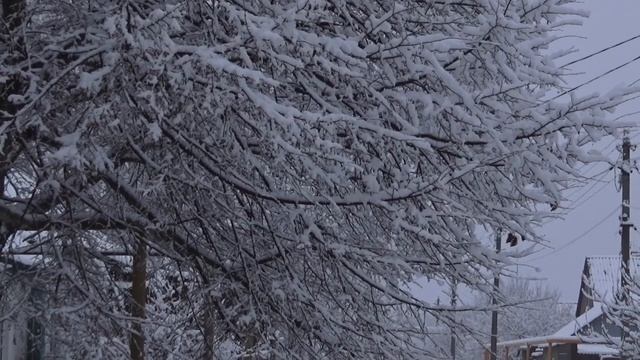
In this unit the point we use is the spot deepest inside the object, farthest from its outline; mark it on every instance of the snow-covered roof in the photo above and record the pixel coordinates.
(541, 341)
(17, 262)
(567, 334)
(580, 322)
(603, 275)
(597, 349)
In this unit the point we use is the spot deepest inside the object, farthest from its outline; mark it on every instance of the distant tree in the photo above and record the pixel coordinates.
(533, 308)
(539, 312)
(298, 163)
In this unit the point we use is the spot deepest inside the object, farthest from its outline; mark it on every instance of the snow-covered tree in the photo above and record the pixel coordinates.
(622, 315)
(538, 312)
(527, 308)
(300, 162)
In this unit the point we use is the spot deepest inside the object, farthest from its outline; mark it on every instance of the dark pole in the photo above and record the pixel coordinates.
(138, 301)
(454, 299)
(626, 227)
(494, 302)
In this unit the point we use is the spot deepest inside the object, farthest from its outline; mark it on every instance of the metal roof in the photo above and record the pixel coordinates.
(603, 276)
(575, 325)
(597, 349)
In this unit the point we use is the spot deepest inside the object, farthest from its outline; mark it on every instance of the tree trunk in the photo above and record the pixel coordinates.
(12, 12)
(249, 347)
(139, 300)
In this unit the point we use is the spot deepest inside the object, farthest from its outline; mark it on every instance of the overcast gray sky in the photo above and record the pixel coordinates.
(592, 228)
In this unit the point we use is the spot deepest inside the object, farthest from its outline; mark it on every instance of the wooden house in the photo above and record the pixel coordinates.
(590, 336)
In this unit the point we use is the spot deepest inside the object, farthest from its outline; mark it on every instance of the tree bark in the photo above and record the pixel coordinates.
(139, 300)
(12, 14)
(249, 346)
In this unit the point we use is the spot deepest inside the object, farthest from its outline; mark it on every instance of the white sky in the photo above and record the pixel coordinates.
(587, 230)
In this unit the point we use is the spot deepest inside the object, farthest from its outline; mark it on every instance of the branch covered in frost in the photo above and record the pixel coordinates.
(299, 164)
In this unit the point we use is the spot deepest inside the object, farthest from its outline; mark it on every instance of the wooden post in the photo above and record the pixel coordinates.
(138, 301)
(626, 225)
(550, 352)
(528, 352)
(494, 302)
(452, 341)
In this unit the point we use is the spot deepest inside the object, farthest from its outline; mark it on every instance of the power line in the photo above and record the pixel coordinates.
(602, 50)
(606, 148)
(603, 74)
(595, 78)
(588, 190)
(629, 113)
(576, 203)
(586, 232)
(604, 186)
(595, 180)
(595, 177)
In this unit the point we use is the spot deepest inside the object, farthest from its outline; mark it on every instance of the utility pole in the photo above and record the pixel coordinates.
(138, 301)
(454, 295)
(625, 224)
(626, 213)
(494, 302)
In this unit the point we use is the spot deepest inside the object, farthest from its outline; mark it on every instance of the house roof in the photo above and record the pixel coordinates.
(541, 341)
(603, 275)
(15, 263)
(597, 349)
(575, 325)
(601, 280)
(567, 334)
(600, 283)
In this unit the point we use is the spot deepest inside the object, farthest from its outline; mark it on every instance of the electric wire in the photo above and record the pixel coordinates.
(587, 167)
(610, 47)
(576, 202)
(601, 51)
(583, 234)
(595, 178)
(595, 78)
(604, 186)
(605, 149)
